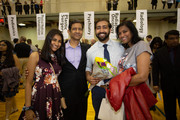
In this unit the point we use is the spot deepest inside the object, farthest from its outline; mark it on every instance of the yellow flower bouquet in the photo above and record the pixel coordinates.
(103, 70)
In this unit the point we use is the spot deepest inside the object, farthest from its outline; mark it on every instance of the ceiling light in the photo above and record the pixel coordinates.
(134, 20)
(22, 24)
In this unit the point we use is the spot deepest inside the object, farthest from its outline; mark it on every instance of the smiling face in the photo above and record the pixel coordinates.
(125, 35)
(3, 47)
(76, 31)
(56, 43)
(102, 31)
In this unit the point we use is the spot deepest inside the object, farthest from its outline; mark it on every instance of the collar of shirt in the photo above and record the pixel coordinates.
(109, 43)
(69, 46)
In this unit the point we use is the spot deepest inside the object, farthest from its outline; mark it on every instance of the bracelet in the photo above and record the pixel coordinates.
(27, 108)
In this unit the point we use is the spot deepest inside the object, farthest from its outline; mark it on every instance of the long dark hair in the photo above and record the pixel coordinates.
(134, 32)
(156, 40)
(46, 50)
(9, 61)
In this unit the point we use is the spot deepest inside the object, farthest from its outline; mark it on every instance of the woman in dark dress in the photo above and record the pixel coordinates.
(43, 101)
(9, 63)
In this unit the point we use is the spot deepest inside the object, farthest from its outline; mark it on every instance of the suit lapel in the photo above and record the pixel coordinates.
(82, 55)
(67, 61)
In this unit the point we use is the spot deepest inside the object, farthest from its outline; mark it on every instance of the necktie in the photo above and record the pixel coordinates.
(172, 55)
(106, 53)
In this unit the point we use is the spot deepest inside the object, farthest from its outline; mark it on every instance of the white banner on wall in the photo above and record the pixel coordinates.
(41, 26)
(114, 18)
(64, 23)
(89, 25)
(178, 20)
(12, 24)
(141, 22)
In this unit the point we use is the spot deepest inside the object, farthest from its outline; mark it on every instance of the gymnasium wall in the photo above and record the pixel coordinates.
(155, 28)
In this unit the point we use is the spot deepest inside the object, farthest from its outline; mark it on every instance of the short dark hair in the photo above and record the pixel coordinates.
(149, 36)
(73, 22)
(132, 28)
(99, 20)
(22, 38)
(171, 32)
(29, 41)
(46, 50)
(15, 40)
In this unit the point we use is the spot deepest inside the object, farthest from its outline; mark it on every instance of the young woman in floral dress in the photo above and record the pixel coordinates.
(43, 101)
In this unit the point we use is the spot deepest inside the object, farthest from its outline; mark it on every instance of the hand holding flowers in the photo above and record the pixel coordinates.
(102, 70)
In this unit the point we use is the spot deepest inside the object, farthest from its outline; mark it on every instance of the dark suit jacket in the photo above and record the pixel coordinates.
(169, 73)
(73, 81)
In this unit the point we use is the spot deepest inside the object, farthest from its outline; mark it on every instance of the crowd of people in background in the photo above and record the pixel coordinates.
(14, 59)
(19, 7)
(132, 4)
(163, 70)
(34, 8)
(169, 3)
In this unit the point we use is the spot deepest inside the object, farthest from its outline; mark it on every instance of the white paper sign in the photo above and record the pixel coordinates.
(12, 24)
(89, 24)
(64, 23)
(141, 22)
(41, 26)
(178, 20)
(114, 18)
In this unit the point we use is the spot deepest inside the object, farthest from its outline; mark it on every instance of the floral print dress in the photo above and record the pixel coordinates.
(46, 93)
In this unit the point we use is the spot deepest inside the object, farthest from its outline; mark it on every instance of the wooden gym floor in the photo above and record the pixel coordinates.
(20, 99)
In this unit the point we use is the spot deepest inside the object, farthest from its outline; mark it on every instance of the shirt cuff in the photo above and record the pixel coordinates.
(88, 69)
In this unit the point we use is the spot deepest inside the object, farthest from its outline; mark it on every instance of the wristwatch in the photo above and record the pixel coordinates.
(27, 108)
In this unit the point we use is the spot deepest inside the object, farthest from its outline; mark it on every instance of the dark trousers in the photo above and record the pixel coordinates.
(41, 8)
(176, 4)
(169, 5)
(109, 6)
(170, 104)
(164, 4)
(32, 10)
(9, 10)
(26, 11)
(114, 6)
(76, 111)
(98, 94)
(129, 6)
(154, 6)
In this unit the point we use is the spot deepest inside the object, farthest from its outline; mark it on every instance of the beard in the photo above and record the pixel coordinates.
(102, 38)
